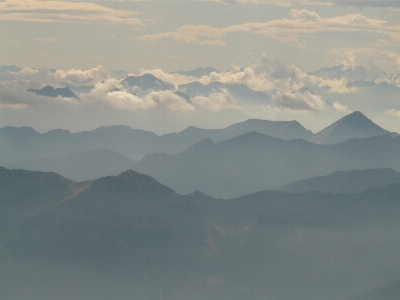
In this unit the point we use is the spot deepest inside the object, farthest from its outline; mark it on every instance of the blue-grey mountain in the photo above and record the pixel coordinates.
(126, 235)
(49, 91)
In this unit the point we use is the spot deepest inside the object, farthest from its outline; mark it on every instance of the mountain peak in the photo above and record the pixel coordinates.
(354, 125)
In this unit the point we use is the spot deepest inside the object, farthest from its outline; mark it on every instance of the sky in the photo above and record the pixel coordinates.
(271, 47)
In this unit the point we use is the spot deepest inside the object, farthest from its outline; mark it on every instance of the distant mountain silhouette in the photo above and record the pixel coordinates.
(11, 68)
(80, 166)
(49, 91)
(128, 234)
(354, 125)
(253, 161)
(199, 72)
(25, 144)
(147, 83)
(345, 182)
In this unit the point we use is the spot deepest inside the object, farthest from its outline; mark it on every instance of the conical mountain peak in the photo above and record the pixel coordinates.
(354, 125)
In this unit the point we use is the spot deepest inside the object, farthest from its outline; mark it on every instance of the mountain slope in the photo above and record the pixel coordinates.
(49, 91)
(345, 182)
(354, 125)
(25, 144)
(80, 166)
(252, 162)
(128, 234)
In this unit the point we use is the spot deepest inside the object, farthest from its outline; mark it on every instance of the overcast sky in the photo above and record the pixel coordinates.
(266, 44)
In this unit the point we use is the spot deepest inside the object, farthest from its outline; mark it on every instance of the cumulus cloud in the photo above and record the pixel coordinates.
(267, 74)
(341, 108)
(64, 12)
(351, 57)
(111, 94)
(302, 101)
(216, 101)
(393, 112)
(37, 78)
(167, 100)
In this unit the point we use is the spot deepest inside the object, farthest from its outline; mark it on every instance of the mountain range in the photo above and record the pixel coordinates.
(233, 161)
(348, 182)
(25, 144)
(253, 161)
(125, 235)
(49, 91)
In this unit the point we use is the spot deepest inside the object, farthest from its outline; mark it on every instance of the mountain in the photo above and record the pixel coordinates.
(147, 83)
(80, 166)
(354, 125)
(49, 91)
(199, 72)
(25, 144)
(11, 68)
(126, 235)
(386, 291)
(253, 161)
(345, 182)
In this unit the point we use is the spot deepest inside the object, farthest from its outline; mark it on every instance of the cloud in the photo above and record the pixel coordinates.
(393, 112)
(341, 108)
(64, 12)
(111, 94)
(14, 96)
(203, 35)
(367, 3)
(37, 78)
(215, 101)
(288, 3)
(300, 101)
(167, 100)
(48, 39)
(352, 57)
(288, 30)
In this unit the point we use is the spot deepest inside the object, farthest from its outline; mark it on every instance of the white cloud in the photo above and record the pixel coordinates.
(37, 78)
(305, 101)
(215, 101)
(341, 108)
(110, 93)
(64, 12)
(167, 100)
(300, 23)
(351, 57)
(393, 112)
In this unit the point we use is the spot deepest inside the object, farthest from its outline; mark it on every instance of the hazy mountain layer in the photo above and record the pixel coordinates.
(345, 182)
(25, 144)
(126, 235)
(253, 162)
(80, 166)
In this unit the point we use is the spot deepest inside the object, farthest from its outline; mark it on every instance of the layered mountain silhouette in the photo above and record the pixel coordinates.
(345, 182)
(49, 91)
(354, 125)
(252, 162)
(80, 166)
(126, 235)
(25, 144)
